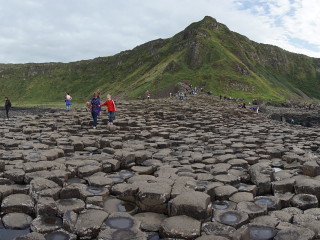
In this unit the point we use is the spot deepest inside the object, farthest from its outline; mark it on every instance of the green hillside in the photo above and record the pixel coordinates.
(206, 54)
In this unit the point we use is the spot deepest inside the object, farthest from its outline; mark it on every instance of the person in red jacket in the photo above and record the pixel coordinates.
(111, 108)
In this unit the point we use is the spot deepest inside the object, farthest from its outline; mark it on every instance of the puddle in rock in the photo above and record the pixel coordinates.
(220, 205)
(67, 202)
(76, 180)
(276, 169)
(117, 179)
(4, 181)
(95, 190)
(297, 172)
(123, 234)
(261, 232)
(306, 198)
(126, 174)
(230, 217)
(266, 201)
(26, 147)
(52, 220)
(154, 237)
(8, 234)
(119, 222)
(126, 207)
(242, 186)
(57, 236)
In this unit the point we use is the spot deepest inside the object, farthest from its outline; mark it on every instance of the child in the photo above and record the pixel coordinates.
(68, 99)
(111, 109)
(148, 95)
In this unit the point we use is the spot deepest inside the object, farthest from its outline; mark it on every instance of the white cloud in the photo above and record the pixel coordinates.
(71, 30)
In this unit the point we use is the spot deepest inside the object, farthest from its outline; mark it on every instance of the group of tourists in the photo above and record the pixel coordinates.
(95, 108)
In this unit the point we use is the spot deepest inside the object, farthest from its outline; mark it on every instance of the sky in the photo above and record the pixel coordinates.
(72, 30)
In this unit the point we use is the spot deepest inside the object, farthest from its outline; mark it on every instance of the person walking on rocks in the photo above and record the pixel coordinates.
(98, 96)
(7, 106)
(148, 95)
(95, 104)
(67, 100)
(111, 109)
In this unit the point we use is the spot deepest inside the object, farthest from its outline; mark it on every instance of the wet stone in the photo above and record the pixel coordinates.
(314, 212)
(112, 205)
(272, 203)
(46, 206)
(89, 222)
(153, 196)
(45, 224)
(60, 235)
(304, 201)
(227, 179)
(295, 233)
(266, 221)
(252, 209)
(73, 204)
(21, 203)
(208, 237)
(69, 220)
(217, 229)
(91, 191)
(150, 221)
(41, 187)
(180, 227)
(224, 205)
(99, 181)
(16, 175)
(29, 236)
(224, 192)
(231, 218)
(255, 232)
(283, 186)
(125, 191)
(308, 186)
(193, 204)
(241, 197)
(88, 170)
(303, 218)
(121, 226)
(17, 220)
(281, 215)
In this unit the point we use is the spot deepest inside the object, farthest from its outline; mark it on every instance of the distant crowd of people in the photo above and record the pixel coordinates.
(94, 105)
(190, 90)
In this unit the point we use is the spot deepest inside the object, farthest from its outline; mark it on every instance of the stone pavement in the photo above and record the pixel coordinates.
(168, 169)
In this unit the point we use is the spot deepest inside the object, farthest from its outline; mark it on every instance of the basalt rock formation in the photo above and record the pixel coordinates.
(167, 169)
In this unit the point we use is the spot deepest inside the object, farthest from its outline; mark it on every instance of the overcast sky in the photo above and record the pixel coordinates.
(72, 30)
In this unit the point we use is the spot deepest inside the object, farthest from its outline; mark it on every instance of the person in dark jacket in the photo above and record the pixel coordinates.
(7, 106)
(95, 109)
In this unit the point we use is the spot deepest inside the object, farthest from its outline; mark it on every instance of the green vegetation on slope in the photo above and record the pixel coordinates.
(206, 54)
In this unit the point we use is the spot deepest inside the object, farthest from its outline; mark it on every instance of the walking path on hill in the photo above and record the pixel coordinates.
(168, 169)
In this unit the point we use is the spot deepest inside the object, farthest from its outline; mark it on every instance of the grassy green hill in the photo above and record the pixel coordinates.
(206, 54)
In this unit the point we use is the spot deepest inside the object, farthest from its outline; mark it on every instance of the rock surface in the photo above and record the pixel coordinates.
(193, 169)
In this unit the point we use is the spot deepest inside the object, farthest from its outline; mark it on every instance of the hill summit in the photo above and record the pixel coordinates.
(206, 54)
